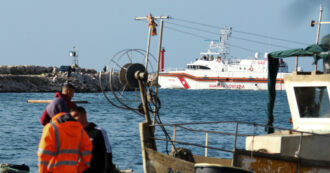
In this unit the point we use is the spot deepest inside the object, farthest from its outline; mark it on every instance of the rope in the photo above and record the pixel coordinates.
(132, 160)
(254, 134)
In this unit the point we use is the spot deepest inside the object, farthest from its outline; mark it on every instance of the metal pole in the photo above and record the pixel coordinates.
(296, 64)
(158, 63)
(206, 142)
(299, 152)
(319, 25)
(147, 50)
(234, 149)
(318, 32)
(174, 133)
(148, 44)
(325, 22)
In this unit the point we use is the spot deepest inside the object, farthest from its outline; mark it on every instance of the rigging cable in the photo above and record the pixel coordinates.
(204, 38)
(243, 32)
(234, 37)
(156, 102)
(199, 36)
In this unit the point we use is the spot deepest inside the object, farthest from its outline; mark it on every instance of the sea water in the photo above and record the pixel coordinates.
(20, 129)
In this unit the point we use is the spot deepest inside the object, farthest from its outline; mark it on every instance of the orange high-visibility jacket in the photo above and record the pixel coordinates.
(64, 146)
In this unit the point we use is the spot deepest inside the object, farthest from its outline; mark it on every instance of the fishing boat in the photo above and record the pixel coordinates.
(215, 69)
(303, 148)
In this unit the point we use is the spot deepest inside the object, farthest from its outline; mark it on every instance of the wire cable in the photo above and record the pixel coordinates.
(202, 37)
(238, 38)
(243, 32)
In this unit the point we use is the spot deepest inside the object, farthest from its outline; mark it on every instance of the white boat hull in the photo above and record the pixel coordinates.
(234, 81)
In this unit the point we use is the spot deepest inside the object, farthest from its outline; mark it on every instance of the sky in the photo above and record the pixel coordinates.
(42, 32)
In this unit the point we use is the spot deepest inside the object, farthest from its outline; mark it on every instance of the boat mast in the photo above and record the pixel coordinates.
(147, 55)
(224, 37)
(220, 48)
(149, 34)
(318, 29)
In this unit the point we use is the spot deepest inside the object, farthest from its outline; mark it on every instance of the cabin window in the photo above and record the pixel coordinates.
(197, 67)
(313, 102)
(202, 67)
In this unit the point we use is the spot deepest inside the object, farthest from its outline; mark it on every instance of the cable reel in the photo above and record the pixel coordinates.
(125, 68)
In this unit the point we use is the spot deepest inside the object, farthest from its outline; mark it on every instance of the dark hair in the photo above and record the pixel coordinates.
(68, 86)
(78, 109)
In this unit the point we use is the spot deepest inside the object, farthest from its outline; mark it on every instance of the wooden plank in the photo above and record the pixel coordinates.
(48, 101)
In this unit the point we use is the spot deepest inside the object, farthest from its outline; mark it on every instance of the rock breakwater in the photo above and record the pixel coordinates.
(49, 79)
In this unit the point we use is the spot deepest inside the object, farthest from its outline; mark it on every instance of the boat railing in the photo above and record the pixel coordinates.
(235, 132)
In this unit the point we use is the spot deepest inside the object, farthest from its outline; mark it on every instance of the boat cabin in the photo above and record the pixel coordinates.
(308, 97)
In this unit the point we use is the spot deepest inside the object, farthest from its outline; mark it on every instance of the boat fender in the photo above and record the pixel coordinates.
(183, 153)
(11, 168)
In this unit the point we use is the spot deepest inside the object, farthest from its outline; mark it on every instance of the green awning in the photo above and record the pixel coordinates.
(321, 51)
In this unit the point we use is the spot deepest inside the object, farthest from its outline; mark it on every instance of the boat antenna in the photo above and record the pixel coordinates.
(318, 29)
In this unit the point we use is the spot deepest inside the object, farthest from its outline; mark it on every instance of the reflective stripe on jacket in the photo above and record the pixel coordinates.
(64, 146)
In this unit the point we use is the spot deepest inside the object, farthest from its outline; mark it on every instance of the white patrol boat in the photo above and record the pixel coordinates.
(216, 70)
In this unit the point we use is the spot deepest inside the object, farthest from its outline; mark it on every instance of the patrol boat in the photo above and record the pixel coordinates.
(215, 69)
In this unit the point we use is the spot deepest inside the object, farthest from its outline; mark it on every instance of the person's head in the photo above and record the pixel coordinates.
(57, 105)
(79, 113)
(68, 90)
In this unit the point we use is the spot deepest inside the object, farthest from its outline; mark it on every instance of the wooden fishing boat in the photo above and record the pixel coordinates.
(304, 148)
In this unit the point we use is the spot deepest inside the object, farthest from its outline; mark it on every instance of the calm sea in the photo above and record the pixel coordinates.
(20, 129)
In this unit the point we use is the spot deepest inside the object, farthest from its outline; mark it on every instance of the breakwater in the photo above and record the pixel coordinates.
(29, 78)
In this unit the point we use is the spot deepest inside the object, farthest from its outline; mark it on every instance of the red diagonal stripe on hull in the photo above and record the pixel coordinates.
(184, 83)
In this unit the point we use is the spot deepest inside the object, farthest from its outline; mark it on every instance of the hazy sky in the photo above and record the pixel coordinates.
(42, 32)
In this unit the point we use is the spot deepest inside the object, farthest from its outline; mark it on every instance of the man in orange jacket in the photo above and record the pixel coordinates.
(64, 145)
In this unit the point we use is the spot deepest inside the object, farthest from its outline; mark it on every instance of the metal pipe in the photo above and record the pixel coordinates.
(173, 141)
(298, 153)
(319, 25)
(147, 51)
(206, 142)
(325, 22)
(296, 64)
(226, 122)
(234, 149)
(192, 144)
(155, 17)
(318, 32)
(162, 60)
(158, 62)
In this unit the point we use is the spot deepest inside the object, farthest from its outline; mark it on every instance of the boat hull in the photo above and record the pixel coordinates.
(268, 162)
(259, 162)
(183, 80)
